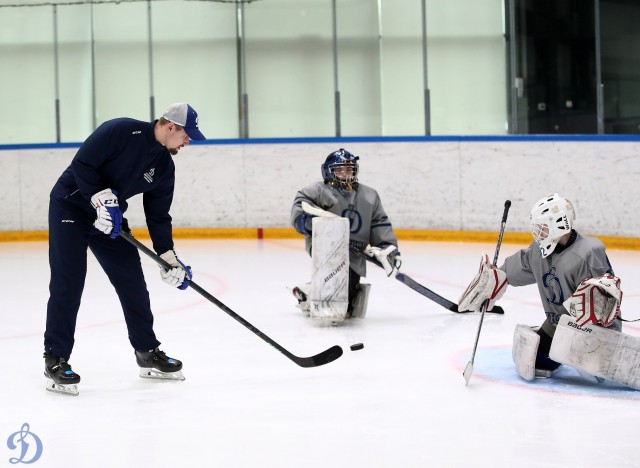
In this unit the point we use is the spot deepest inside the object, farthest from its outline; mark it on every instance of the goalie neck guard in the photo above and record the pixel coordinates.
(551, 218)
(340, 170)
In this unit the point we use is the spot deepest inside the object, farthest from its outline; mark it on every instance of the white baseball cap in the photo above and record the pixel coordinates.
(184, 115)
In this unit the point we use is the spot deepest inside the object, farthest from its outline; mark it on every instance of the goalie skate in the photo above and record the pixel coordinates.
(301, 293)
(155, 364)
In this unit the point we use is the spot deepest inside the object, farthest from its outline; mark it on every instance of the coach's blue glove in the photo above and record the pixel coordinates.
(180, 273)
(108, 214)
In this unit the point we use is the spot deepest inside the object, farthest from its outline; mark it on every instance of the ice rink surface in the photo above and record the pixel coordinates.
(399, 402)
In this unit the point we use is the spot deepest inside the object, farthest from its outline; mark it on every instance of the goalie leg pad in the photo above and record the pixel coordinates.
(525, 350)
(598, 351)
(330, 269)
(361, 301)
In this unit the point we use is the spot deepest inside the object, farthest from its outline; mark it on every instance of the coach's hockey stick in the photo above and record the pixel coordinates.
(468, 370)
(324, 357)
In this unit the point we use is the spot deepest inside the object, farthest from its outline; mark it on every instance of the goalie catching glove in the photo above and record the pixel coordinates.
(180, 273)
(597, 301)
(108, 214)
(489, 284)
(388, 256)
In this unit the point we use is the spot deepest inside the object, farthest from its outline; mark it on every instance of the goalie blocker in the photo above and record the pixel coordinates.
(489, 284)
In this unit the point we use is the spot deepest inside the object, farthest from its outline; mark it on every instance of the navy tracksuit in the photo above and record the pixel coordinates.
(123, 155)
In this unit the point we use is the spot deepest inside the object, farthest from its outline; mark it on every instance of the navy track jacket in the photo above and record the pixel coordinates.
(123, 155)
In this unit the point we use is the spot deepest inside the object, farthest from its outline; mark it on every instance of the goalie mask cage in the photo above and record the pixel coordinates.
(28, 3)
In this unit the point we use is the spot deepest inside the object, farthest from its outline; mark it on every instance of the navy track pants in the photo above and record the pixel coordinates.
(71, 232)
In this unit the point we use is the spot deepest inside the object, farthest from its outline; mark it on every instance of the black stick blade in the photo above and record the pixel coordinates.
(325, 357)
(497, 310)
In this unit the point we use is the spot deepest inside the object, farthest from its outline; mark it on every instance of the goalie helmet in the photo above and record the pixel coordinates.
(551, 218)
(340, 170)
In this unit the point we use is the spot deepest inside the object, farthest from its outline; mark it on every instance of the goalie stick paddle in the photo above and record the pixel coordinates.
(426, 292)
(468, 370)
(320, 359)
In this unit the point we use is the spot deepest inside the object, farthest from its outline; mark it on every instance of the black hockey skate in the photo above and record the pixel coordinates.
(299, 295)
(60, 378)
(155, 364)
(303, 300)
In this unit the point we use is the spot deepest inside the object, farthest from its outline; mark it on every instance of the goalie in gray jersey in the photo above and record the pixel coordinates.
(370, 231)
(573, 275)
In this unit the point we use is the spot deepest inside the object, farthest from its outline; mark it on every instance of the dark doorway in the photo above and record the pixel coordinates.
(555, 66)
(574, 66)
(620, 45)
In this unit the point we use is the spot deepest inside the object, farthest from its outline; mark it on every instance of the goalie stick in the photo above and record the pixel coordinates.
(468, 370)
(404, 279)
(426, 292)
(320, 359)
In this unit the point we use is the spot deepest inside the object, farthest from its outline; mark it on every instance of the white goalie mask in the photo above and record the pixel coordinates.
(551, 218)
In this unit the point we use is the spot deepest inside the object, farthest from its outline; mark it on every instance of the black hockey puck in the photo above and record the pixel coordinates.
(357, 346)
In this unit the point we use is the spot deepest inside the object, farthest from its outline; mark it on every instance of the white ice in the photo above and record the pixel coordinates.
(399, 402)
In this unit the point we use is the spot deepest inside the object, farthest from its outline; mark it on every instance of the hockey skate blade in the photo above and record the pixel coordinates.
(68, 390)
(468, 371)
(151, 373)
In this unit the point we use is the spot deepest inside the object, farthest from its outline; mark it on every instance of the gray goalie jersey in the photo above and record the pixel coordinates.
(558, 275)
(368, 221)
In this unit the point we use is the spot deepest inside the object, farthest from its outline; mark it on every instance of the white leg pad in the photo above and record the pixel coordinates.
(361, 301)
(330, 269)
(524, 351)
(598, 351)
